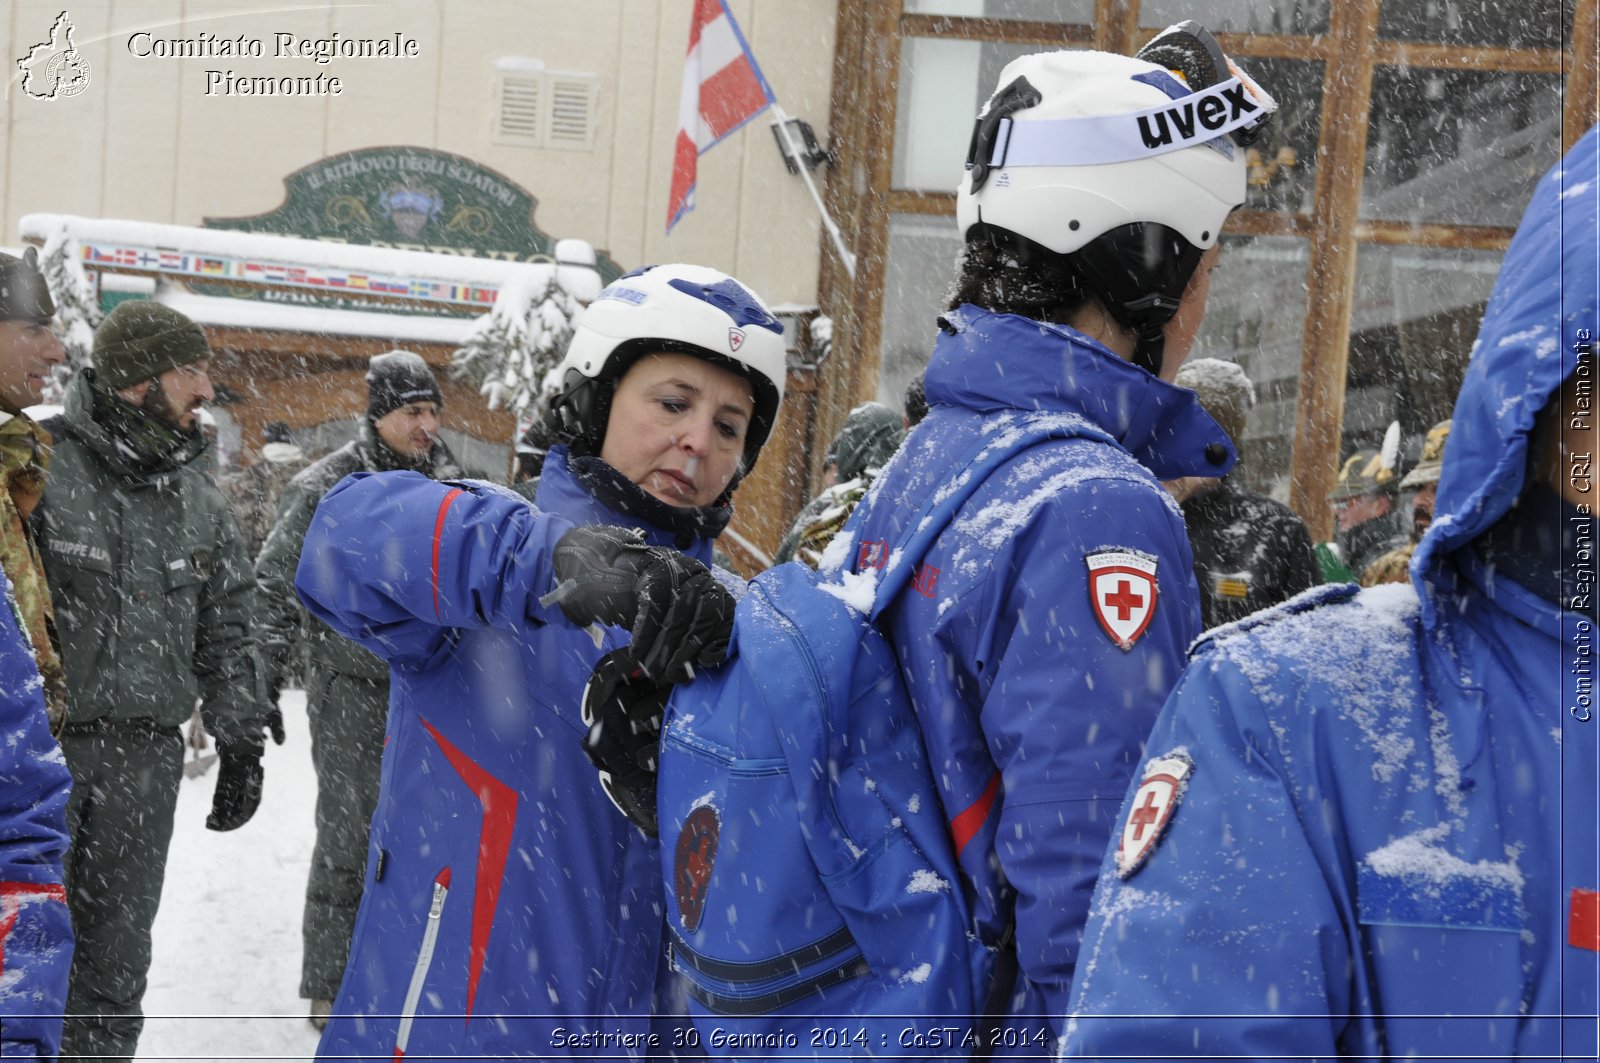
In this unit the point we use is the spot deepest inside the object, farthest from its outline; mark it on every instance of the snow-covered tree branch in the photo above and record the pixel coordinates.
(512, 348)
(77, 305)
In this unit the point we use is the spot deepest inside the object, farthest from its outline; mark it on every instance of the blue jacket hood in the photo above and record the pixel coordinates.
(1057, 369)
(1545, 294)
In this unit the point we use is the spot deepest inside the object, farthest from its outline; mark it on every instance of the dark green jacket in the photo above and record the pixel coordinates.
(281, 613)
(152, 587)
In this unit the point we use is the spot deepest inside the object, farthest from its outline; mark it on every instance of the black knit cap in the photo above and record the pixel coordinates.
(24, 296)
(396, 379)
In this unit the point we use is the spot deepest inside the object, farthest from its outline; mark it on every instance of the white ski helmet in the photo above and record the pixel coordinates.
(1083, 153)
(677, 308)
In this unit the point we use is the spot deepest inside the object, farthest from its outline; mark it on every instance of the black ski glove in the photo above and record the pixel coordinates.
(274, 723)
(238, 783)
(680, 616)
(623, 711)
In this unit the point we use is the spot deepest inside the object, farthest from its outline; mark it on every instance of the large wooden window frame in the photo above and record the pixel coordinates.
(861, 196)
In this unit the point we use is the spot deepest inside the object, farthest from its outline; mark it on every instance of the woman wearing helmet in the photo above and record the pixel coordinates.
(1052, 614)
(510, 909)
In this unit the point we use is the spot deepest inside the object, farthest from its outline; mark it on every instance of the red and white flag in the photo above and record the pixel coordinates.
(722, 90)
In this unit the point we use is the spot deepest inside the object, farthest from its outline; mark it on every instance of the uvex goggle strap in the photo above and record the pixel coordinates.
(1233, 106)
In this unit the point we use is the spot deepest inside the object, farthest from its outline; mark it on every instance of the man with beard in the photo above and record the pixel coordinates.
(153, 593)
(347, 687)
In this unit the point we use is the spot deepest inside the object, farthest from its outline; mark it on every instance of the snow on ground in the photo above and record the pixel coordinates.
(225, 977)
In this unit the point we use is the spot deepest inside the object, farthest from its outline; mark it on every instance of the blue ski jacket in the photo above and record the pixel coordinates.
(35, 929)
(1366, 823)
(509, 909)
(1045, 625)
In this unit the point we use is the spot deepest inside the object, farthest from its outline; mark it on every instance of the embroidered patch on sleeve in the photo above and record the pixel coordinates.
(1122, 589)
(1231, 584)
(1151, 808)
(692, 861)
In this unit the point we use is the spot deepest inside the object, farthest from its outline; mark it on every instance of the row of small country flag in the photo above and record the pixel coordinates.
(156, 260)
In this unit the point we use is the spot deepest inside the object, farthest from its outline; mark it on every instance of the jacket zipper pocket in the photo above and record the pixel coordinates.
(419, 973)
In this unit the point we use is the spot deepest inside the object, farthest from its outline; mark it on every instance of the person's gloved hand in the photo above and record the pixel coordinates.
(680, 616)
(238, 783)
(274, 723)
(623, 711)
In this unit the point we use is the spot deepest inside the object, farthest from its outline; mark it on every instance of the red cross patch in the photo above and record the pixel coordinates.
(1122, 589)
(735, 338)
(1151, 809)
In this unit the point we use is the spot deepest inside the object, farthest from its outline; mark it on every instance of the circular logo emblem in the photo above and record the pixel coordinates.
(692, 861)
(67, 74)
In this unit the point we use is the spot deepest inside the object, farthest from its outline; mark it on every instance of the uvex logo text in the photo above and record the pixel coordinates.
(1203, 115)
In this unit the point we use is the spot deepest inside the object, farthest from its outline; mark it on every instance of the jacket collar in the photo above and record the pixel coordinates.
(991, 363)
(78, 415)
(561, 493)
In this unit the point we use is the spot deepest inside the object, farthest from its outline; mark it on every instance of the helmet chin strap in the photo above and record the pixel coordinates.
(1150, 346)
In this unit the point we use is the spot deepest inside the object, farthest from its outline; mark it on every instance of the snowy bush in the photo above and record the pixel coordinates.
(511, 349)
(77, 306)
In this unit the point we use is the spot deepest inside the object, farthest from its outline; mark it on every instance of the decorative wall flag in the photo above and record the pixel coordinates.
(723, 88)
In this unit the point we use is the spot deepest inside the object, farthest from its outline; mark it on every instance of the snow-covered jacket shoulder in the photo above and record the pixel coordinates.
(35, 929)
(1352, 832)
(1033, 699)
(547, 901)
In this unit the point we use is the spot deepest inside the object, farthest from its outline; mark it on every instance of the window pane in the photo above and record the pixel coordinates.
(1079, 11)
(942, 85)
(1494, 23)
(1458, 147)
(1283, 162)
(1240, 16)
(1415, 317)
(1256, 317)
(917, 279)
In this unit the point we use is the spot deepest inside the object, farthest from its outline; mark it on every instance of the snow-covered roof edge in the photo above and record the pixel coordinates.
(292, 249)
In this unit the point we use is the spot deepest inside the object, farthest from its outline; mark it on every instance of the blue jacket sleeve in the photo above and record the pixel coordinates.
(35, 929)
(1067, 712)
(1229, 941)
(395, 561)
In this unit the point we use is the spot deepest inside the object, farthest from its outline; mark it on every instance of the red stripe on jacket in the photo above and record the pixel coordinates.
(499, 803)
(968, 821)
(438, 539)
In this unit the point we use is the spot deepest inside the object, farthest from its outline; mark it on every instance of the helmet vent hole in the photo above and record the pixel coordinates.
(1205, 235)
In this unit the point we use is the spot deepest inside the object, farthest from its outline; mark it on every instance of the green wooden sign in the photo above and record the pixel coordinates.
(416, 199)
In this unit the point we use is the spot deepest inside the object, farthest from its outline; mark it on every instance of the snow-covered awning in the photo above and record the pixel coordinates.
(315, 320)
(188, 253)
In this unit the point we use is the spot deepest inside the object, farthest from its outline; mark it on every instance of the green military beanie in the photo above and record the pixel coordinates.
(141, 339)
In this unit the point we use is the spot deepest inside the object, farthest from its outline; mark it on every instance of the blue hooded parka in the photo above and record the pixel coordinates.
(1367, 823)
(1045, 625)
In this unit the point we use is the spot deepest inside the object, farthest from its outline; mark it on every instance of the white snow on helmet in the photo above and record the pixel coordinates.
(1108, 141)
(678, 308)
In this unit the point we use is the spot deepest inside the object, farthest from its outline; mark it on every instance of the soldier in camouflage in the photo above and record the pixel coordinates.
(28, 352)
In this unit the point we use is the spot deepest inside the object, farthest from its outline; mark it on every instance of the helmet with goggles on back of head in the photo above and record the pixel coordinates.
(678, 309)
(1125, 168)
